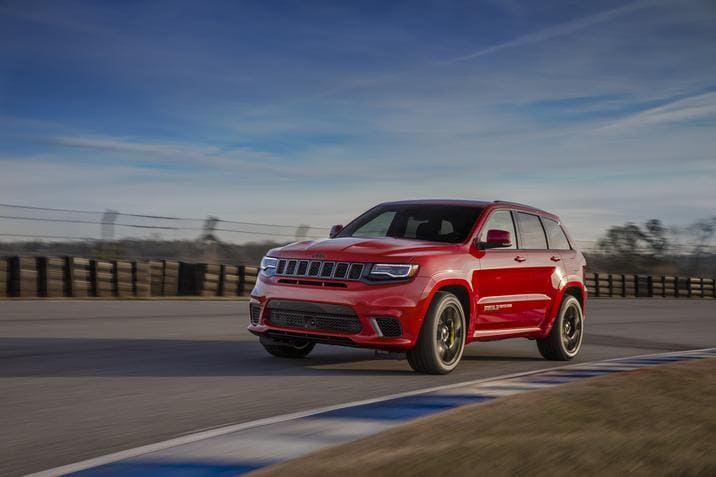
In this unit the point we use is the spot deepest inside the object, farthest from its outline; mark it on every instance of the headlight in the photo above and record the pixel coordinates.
(392, 271)
(268, 266)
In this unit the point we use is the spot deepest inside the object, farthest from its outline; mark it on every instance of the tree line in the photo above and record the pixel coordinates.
(654, 248)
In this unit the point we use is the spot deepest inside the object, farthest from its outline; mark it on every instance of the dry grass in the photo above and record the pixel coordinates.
(654, 421)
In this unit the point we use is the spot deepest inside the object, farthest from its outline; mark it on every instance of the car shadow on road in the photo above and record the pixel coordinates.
(466, 357)
(92, 357)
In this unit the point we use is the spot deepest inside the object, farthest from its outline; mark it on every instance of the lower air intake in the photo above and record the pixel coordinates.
(389, 327)
(255, 313)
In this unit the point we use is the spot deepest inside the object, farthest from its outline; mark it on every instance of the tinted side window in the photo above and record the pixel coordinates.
(500, 220)
(531, 232)
(556, 238)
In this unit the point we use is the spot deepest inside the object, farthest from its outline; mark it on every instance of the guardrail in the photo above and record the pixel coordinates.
(82, 277)
(649, 286)
(49, 277)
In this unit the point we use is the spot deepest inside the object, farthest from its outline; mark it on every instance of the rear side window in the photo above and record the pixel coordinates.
(556, 238)
(500, 220)
(531, 232)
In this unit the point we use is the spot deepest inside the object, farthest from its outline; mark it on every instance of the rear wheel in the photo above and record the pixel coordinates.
(296, 350)
(442, 338)
(565, 340)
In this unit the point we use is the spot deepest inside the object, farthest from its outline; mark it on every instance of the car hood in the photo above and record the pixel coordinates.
(361, 249)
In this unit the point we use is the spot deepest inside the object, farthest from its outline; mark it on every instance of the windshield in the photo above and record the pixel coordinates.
(434, 223)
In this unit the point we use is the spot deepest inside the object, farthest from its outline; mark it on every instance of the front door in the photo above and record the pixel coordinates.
(499, 282)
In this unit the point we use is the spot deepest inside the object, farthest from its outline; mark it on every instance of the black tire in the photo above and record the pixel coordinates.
(434, 352)
(289, 351)
(565, 340)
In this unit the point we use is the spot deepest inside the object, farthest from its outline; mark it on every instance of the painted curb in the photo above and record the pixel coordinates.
(241, 448)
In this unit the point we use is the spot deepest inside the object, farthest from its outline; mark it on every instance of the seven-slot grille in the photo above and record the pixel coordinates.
(320, 269)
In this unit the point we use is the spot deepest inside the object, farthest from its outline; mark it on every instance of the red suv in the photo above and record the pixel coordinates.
(426, 278)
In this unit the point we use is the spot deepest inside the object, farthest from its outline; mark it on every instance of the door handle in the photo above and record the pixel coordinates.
(555, 258)
(520, 259)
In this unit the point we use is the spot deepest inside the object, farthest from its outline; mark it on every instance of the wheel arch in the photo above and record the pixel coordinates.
(575, 289)
(463, 291)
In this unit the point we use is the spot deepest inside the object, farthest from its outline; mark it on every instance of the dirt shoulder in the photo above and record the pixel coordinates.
(659, 420)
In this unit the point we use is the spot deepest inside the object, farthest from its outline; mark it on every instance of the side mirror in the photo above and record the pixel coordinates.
(496, 239)
(335, 230)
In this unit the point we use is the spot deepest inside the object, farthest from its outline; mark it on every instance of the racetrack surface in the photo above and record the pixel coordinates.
(84, 378)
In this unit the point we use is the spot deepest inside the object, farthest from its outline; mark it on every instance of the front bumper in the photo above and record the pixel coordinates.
(405, 302)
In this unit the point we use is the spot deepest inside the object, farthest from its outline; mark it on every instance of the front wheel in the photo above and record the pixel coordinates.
(295, 350)
(565, 340)
(442, 338)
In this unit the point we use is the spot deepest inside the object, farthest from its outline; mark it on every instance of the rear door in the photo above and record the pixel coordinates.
(539, 270)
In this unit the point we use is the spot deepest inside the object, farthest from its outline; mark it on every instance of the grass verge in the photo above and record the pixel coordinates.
(659, 420)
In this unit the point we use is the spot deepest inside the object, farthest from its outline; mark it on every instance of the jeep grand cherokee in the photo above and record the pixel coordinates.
(426, 278)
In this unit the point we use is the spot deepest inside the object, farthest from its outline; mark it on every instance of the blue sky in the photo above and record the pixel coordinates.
(310, 112)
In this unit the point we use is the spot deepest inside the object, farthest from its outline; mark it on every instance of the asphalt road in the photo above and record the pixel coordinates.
(80, 379)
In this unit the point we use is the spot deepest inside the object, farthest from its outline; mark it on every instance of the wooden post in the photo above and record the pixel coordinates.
(4, 281)
(142, 279)
(596, 284)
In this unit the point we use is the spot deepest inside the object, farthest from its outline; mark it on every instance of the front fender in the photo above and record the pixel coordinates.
(436, 285)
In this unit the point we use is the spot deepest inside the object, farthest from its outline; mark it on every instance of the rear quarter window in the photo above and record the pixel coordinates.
(556, 238)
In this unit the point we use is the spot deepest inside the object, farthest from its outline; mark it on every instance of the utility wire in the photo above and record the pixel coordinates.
(153, 227)
(77, 211)
(63, 237)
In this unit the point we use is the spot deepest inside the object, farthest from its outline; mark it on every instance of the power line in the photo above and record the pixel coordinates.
(152, 227)
(77, 221)
(15, 206)
(78, 211)
(63, 237)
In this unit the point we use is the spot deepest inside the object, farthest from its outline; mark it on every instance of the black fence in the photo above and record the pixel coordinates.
(81, 277)
(648, 286)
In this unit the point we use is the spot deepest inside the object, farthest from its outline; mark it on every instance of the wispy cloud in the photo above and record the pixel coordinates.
(694, 107)
(562, 29)
(103, 143)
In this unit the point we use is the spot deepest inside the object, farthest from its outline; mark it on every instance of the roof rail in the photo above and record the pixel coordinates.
(519, 204)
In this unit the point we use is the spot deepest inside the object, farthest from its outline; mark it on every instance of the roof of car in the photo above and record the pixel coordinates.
(471, 203)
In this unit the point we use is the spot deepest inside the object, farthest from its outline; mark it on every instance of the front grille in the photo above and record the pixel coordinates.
(389, 327)
(314, 283)
(255, 313)
(314, 321)
(320, 269)
(289, 337)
